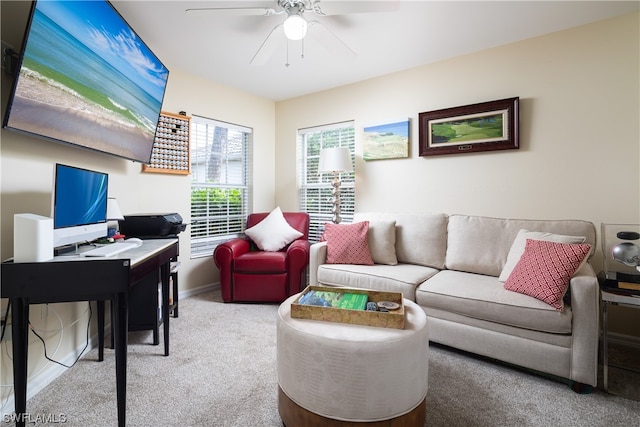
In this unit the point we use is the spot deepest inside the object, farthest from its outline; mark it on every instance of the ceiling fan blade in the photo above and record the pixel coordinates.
(333, 7)
(268, 46)
(330, 41)
(248, 11)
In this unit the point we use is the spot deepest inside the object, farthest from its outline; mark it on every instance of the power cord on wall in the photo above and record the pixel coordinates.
(5, 322)
(44, 345)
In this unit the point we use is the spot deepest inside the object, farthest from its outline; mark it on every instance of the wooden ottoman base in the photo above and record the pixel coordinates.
(294, 415)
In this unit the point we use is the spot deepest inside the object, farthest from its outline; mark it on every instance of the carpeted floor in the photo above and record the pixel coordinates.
(222, 372)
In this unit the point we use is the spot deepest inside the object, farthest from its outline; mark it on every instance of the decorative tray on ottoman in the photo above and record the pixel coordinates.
(391, 302)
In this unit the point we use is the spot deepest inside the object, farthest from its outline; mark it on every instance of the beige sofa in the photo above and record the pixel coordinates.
(451, 266)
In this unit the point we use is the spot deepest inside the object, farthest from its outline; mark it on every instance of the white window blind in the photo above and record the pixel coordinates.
(220, 190)
(315, 189)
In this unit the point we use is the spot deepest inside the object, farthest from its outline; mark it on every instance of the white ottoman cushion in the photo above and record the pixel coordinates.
(352, 372)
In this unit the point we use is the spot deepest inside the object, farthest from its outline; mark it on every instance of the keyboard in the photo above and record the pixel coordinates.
(109, 250)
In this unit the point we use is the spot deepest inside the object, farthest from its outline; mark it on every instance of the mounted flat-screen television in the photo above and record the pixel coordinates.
(87, 79)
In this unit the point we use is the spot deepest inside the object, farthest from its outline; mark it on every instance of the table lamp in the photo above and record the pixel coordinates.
(114, 214)
(335, 160)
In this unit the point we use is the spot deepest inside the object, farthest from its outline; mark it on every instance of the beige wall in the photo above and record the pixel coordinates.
(579, 132)
(579, 124)
(26, 183)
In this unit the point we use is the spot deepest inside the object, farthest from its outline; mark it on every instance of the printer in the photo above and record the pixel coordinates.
(152, 226)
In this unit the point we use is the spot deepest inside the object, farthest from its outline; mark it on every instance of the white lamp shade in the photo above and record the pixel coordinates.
(336, 159)
(295, 27)
(113, 210)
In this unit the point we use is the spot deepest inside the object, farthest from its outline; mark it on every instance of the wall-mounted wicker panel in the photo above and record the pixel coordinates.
(171, 147)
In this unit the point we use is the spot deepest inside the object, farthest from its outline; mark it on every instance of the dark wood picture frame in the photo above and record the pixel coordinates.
(486, 126)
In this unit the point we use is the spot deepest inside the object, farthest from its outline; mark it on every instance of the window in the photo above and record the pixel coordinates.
(315, 189)
(220, 190)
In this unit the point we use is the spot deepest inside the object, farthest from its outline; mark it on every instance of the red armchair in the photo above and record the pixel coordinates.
(248, 274)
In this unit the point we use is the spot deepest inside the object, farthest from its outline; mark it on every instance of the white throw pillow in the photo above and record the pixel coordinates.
(382, 241)
(517, 248)
(273, 232)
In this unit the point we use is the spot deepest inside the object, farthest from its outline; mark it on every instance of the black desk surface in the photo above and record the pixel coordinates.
(50, 279)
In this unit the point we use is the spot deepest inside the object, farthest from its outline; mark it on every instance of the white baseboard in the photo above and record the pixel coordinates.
(199, 290)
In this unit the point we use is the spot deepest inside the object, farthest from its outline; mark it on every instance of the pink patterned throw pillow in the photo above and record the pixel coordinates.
(545, 268)
(347, 243)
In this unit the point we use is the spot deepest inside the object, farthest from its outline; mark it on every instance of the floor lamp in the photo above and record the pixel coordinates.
(335, 160)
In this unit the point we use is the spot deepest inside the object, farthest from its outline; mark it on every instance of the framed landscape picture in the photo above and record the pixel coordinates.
(388, 141)
(486, 126)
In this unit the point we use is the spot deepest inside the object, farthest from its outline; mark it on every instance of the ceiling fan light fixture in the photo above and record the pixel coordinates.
(295, 27)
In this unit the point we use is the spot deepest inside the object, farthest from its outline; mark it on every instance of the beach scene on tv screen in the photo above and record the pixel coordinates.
(87, 79)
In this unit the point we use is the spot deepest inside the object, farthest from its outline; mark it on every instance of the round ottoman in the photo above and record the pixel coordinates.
(336, 373)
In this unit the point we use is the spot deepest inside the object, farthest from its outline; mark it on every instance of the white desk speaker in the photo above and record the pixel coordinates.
(32, 238)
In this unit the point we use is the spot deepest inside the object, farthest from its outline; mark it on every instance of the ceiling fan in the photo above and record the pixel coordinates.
(295, 26)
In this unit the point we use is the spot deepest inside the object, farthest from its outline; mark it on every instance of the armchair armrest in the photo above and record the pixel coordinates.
(297, 262)
(298, 254)
(585, 306)
(227, 251)
(317, 257)
(223, 256)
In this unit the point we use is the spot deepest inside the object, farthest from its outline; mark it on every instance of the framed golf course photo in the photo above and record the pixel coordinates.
(387, 141)
(486, 126)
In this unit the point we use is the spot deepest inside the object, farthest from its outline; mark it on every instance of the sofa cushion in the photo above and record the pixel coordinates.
(487, 328)
(273, 232)
(517, 248)
(402, 278)
(347, 243)
(484, 297)
(481, 245)
(545, 268)
(382, 242)
(421, 238)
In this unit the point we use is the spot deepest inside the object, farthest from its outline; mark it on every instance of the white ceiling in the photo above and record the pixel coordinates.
(220, 47)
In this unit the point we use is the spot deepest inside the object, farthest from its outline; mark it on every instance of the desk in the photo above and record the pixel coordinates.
(74, 278)
(632, 301)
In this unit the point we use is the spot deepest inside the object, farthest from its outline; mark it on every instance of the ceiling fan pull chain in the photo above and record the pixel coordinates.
(302, 54)
(287, 63)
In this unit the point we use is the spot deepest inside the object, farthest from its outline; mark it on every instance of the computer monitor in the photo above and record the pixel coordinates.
(79, 205)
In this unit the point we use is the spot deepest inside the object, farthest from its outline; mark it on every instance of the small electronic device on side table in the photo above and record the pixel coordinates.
(620, 280)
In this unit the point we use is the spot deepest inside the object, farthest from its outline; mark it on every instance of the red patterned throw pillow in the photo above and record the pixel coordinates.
(347, 243)
(545, 268)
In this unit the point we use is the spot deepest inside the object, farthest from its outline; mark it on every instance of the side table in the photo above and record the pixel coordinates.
(632, 301)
